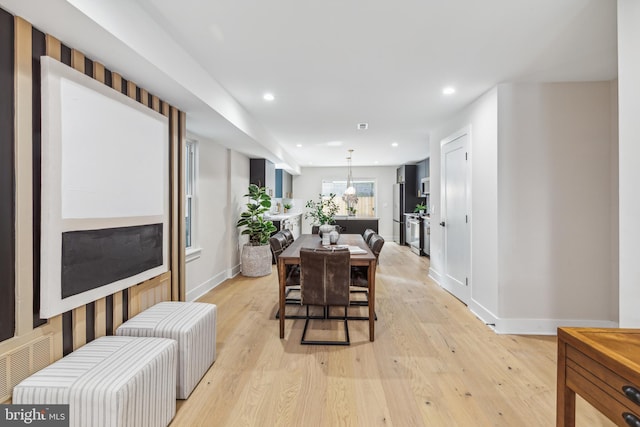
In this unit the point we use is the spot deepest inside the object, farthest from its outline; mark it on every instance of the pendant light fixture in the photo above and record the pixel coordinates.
(349, 195)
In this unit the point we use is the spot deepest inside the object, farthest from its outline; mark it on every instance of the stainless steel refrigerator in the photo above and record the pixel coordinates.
(398, 214)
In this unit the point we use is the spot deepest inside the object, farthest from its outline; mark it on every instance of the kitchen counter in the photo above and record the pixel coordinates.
(281, 216)
(355, 218)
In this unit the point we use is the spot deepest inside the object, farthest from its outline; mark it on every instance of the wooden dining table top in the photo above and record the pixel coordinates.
(291, 255)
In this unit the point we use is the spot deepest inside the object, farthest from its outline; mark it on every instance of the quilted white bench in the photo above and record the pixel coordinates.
(110, 382)
(192, 324)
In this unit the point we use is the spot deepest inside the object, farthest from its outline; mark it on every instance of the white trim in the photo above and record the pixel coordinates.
(192, 254)
(464, 131)
(546, 326)
(194, 190)
(233, 271)
(482, 313)
(435, 276)
(205, 287)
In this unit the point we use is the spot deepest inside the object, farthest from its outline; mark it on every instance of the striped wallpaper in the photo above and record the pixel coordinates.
(7, 177)
(21, 46)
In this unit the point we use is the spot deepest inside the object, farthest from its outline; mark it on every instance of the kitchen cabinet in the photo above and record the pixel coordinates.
(262, 173)
(357, 225)
(284, 184)
(422, 173)
(407, 175)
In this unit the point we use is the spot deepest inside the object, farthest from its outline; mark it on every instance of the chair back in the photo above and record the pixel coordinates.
(375, 243)
(325, 276)
(278, 243)
(367, 235)
(288, 235)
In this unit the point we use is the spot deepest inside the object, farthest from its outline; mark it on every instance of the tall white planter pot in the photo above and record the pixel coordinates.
(256, 260)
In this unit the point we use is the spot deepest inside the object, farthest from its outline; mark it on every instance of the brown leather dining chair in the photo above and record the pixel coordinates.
(368, 233)
(289, 236)
(278, 243)
(324, 281)
(359, 275)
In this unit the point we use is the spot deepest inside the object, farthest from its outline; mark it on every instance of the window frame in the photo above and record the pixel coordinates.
(191, 199)
(343, 212)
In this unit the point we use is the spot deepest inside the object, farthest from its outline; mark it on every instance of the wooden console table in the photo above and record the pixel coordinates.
(602, 366)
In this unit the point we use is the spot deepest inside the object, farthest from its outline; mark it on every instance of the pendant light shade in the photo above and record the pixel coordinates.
(349, 195)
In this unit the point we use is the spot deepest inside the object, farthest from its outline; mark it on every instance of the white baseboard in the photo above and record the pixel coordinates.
(546, 326)
(205, 287)
(482, 313)
(524, 326)
(435, 276)
(233, 271)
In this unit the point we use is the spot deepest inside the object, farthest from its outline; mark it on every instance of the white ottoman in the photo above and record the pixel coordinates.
(110, 382)
(192, 324)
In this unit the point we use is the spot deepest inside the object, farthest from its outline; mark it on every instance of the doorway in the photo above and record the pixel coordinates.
(454, 220)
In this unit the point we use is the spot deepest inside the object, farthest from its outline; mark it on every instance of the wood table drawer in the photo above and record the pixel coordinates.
(605, 378)
(601, 387)
(603, 366)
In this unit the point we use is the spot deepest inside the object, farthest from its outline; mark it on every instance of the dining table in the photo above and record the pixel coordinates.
(361, 255)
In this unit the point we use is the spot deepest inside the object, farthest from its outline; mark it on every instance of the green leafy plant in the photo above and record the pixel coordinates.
(287, 205)
(420, 207)
(322, 210)
(256, 227)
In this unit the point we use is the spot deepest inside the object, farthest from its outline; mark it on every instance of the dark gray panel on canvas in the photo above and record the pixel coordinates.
(93, 258)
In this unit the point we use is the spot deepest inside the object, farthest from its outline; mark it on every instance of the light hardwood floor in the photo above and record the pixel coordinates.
(432, 363)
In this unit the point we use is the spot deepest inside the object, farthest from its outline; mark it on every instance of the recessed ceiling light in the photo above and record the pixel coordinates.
(449, 90)
(334, 143)
(268, 97)
(298, 145)
(363, 126)
(375, 163)
(394, 144)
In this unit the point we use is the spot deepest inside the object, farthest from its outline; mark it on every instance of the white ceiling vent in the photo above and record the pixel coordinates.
(363, 126)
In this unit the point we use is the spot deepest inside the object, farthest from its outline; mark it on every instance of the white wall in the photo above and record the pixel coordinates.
(308, 185)
(222, 179)
(482, 116)
(629, 175)
(555, 216)
(542, 211)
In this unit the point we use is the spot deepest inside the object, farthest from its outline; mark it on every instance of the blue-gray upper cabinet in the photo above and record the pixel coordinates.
(284, 184)
(262, 173)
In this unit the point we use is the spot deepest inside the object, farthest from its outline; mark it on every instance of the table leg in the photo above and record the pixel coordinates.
(566, 398)
(282, 282)
(371, 278)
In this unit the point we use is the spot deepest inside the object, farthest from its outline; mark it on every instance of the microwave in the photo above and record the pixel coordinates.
(425, 187)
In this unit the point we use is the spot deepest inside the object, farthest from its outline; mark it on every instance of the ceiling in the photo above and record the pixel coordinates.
(332, 64)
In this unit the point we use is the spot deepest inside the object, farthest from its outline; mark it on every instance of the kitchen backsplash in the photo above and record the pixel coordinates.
(297, 205)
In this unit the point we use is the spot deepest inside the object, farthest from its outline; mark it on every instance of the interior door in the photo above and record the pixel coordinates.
(454, 218)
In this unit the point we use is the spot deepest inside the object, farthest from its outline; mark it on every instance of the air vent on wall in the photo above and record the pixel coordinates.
(22, 362)
(363, 126)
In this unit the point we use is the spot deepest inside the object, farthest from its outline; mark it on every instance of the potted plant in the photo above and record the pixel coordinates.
(420, 208)
(256, 254)
(287, 206)
(323, 212)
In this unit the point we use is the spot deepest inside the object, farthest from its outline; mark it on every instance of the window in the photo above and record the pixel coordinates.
(365, 190)
(189, 190)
